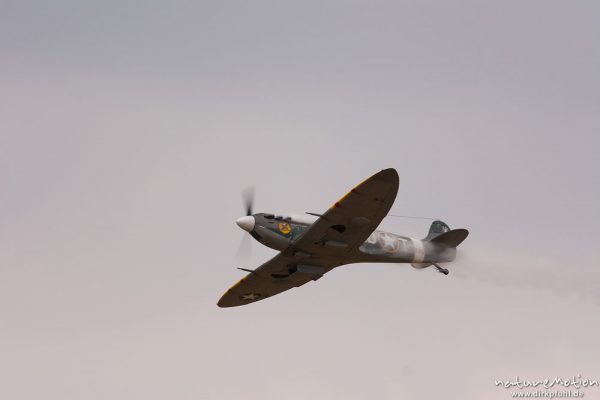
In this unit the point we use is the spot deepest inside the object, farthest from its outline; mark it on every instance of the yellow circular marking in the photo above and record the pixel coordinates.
(284, 227)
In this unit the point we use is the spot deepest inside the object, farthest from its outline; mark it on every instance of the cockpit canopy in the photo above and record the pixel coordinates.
(277, 217)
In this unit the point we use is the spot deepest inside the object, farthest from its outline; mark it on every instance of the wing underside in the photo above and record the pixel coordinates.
(277, 275)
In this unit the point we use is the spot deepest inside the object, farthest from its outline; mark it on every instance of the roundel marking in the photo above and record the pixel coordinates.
(250, 296)
(284, 227)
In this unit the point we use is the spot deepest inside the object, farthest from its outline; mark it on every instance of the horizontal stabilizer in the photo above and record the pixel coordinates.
(451, 238)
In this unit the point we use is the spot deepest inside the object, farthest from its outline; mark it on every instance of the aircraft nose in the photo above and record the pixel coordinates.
(246, 223)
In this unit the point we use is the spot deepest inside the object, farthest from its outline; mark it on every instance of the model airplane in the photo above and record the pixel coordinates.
(313, 244)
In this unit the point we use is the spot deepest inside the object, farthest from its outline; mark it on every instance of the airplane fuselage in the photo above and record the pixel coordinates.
(280, 233)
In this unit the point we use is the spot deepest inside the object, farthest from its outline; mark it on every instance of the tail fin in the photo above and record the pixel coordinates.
(440, 233)
(436, 229)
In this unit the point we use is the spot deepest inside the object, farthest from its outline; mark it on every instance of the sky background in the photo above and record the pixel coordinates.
(128, 131)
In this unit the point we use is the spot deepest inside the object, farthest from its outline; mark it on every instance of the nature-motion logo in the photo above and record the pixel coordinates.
(548, 388)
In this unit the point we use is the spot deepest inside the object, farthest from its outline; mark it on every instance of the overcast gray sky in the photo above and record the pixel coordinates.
(129, 129)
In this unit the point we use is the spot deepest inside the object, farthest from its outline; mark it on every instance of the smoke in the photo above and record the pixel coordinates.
(527, 272)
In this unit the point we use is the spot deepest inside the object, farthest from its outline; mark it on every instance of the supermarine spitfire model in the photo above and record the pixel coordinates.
(312, 245)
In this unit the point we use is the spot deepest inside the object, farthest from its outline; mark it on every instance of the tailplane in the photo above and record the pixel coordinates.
(451, 238)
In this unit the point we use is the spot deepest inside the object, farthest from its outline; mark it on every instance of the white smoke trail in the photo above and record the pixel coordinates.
(525, 271)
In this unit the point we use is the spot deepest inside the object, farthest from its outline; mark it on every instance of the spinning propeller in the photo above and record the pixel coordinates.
(248, 197)
(245, 250)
